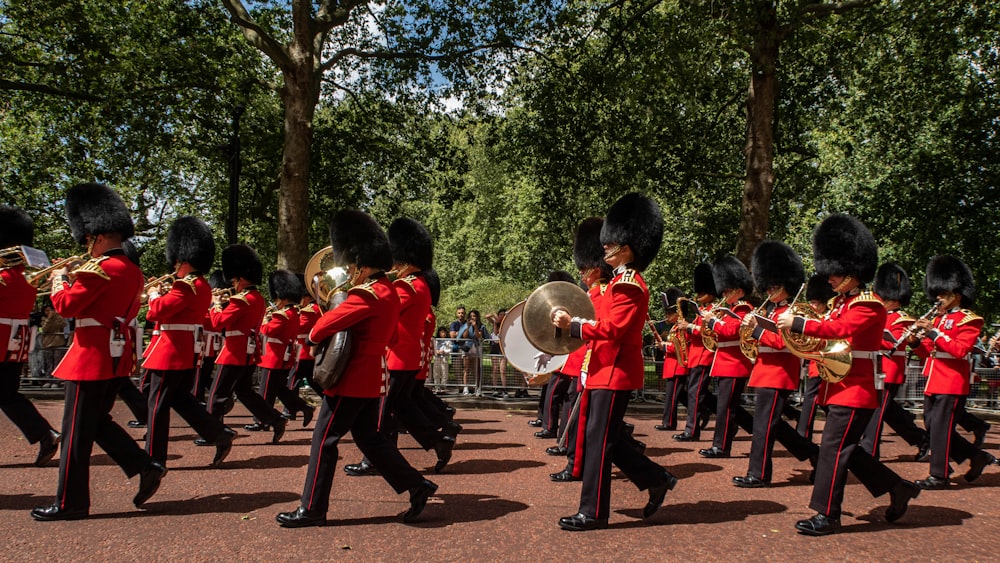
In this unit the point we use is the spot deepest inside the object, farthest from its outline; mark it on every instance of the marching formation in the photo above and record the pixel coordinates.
(358, 329)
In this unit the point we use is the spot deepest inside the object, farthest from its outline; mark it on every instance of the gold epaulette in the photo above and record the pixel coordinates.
(242, 296)
(366, 287)
(969, 317)
(866, 297)
(93, 266)
(409, 280)
(903, 318)
(281, 313)
(190, 280)
(628, 276)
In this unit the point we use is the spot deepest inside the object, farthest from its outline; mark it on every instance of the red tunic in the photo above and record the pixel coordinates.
(859, 318)
(616, 352)
(17, 298)
(371, 312)
(729, 360)
(278, 335)
(428, 346)
(105, 295)
(672, 367)
(241, 321)
(177, 314)
(895, 365)
(406, 354)
(577, 358)
(947, 349)
(776, 367)
(308, 316)
(698, 355)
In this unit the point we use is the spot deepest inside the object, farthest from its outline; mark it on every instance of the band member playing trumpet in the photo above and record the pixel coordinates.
(701, 403)
(371, 313)
(103, 296)
(675, 370)
(946, 342)
(17, 297)
(171, 360)
(631, 235)
(845, 251)
(730, 368)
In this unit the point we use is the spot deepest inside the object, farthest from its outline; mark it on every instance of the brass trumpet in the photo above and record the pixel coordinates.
(832, 357)
(40, 278)
(166, 279)
(10, 257)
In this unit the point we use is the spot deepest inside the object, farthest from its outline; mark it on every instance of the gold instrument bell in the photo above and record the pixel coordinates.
(537, 317)
(324, 278)
(832, 356)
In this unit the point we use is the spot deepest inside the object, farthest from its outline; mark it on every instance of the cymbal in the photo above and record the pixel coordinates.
(537, 317)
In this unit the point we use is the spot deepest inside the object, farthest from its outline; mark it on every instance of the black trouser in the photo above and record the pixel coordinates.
(838, 453)
(275, 386)
(809, 405)
(337, 416)
(896, 417)
(729, 414)
(17, 407)
(768, 404)
(238, 379)
(87, 419)
(399, 408)
(304, 370)
(569, 401)
(674, 393)
(940, 414)
(171, 389)
(604, 444)
(203, 381)
(136, 399)
(555, 396)
(699, 399)
(434, 409)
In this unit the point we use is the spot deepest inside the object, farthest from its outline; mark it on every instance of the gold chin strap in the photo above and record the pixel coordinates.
(614, 250)
(840, 288)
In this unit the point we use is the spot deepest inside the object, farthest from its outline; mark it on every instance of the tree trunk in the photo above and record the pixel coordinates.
(759, 149)
(300, 96)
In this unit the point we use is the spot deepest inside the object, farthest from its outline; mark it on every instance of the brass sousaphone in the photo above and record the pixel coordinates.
(328, 283)
(537, 317)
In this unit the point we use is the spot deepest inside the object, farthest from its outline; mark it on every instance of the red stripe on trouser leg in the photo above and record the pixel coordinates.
(840, 448)
(326, 432)
(604, 453)
(68, 444)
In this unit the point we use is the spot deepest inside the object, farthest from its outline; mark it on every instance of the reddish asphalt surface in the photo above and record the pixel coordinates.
(495, 502)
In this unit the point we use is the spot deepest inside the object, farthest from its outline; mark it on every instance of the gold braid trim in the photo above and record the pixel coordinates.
(969, 317)
(93, 266)
(866, 297)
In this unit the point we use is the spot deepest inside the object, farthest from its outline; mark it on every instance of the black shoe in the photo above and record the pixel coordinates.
(136, 424)
(443, 449)
(47, 448)
(544, 434)
(933, 483)
(556, 450)
(980, 435)
(257, 427)
(203, 442)
(923, 451)
(452, 429)
(664, 427)
(449, 412)
(657, 493)
(360, 469)
(301, 518)
(713, 452)
(279, 430)
(537, 423)
(149, 482)
(581, 523)
(685, 437)
(223, 445)
(899, 499)
(418, 500)
(288, 414)
(640, 447)
(52, 513)
(749, 482)
(307, 416)
(977, 464)
(818, 525)
(564, 476)
(703, 419)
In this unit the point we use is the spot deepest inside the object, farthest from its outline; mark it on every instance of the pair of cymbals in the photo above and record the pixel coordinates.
(537, 316)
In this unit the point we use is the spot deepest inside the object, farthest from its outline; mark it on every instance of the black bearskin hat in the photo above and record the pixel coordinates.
(843, 246)
(775, 263)
(635, 220)
(587, 250)
(670, 297)
(358, 239)
(704, 280)
(131, 252)
(949, 274)
(190, 240)
(95, 209)
(285, 284)
(892, 284)
(434, 284)
(411, 243)
(217, 280)
(16, 227)
(730, 273)
(241, 261)
(560, 275)
(819, 289)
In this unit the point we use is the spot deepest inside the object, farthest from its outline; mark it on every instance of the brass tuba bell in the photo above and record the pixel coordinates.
(323, 278)
(832, 357)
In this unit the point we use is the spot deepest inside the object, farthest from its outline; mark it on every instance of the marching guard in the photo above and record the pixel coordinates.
(701, 402)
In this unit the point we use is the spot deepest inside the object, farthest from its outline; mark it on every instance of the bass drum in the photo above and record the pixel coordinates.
(520, 353)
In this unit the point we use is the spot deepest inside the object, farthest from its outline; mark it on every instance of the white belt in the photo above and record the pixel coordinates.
(865, 355)
(768, 349)
(947, 356)
(234, 333)
(728, 344)
(85, 323)
(14, 322)
(303, 336)
(270, 340)
(188, 327)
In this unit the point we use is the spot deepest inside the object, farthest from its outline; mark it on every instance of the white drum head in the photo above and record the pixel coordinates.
(518, 350)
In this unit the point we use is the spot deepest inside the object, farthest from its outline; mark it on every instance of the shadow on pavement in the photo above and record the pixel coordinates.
(702, 512)
(917, 516)
(457, 509)
(487, 466)
(219, 503)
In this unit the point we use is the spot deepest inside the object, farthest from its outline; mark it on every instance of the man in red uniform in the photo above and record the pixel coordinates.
(171, 359)
(17, 298)
(845, 252)
(631, 235)
(241, 320)
(701, 403)
(371, 313)
(675, 370)
(103, 296)
(730, 368)
(309, 313)
(892, 285)
(946, 344)
(436, 410)
(818, 295)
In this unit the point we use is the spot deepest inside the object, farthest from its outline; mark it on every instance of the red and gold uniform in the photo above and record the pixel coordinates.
(731, 368)
(675, 375)
(305, 362)
(278, 334)
(700, 400)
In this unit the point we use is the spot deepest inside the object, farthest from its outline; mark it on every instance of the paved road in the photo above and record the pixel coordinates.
(495, 502)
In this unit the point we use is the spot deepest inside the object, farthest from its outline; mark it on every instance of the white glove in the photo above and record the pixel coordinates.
(583, 379)
(542, 361)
